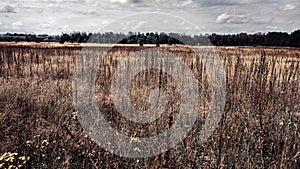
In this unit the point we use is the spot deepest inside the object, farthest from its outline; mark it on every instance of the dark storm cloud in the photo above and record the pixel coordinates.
(7, 9)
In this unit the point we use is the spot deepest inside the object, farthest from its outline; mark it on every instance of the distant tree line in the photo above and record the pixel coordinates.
(258, 39)
(241, 39)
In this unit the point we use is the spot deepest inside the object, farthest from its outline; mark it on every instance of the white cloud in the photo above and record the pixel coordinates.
(65, 28)
(124, 1)
(133, 1)
(187, 3)
(263, 20)
(17, 24)
(166, 21)
(60, 1)
(92, 11)
(232, 19)
(181, 23)
(139, 25)
(105, 22)
(289, 7)
(272, 27)
(136, 3)
(43, 26)
(7, 9)
(210, 3)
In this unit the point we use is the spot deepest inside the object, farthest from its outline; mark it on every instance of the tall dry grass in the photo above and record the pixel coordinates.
(259, 128)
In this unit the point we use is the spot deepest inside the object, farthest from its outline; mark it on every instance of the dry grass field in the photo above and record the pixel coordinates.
(40, 128)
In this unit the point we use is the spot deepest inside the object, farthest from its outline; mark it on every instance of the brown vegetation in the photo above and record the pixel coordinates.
(259, 129)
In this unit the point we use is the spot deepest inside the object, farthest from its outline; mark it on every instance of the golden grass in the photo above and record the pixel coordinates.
(259, 128)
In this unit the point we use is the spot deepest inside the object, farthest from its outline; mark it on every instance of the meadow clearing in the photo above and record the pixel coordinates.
(40, 128)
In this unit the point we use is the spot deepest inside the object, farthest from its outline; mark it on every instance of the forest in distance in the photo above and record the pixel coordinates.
(240, 39)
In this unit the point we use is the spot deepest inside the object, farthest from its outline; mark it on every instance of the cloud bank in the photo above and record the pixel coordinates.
(219, 16)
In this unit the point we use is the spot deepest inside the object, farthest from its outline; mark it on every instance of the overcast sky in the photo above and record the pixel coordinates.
(190, 16)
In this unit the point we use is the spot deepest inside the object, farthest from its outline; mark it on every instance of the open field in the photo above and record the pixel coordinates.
(40, 128)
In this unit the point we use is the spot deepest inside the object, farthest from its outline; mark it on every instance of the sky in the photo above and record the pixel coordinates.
(183, 16)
